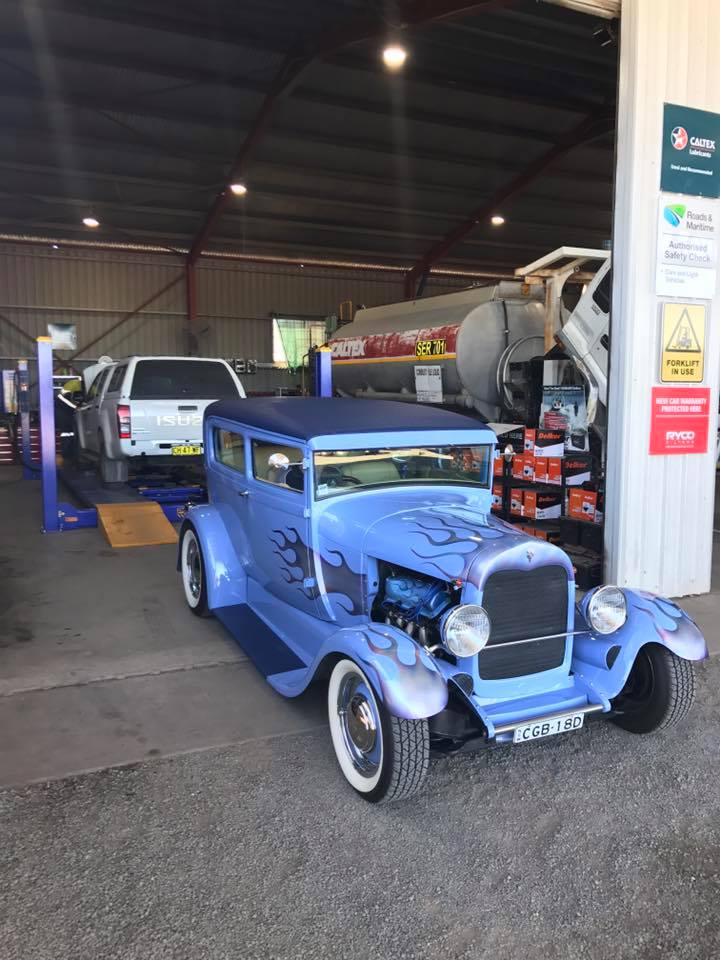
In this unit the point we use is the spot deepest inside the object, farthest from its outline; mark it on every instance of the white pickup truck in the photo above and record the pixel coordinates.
(148, 408)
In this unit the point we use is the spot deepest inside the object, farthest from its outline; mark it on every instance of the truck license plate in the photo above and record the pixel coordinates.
(187, 450)
(548, 728)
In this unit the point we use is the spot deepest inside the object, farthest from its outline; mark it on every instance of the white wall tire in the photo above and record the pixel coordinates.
(192, 570)
(381, 756)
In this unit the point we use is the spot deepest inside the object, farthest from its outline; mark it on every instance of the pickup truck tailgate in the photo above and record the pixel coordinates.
(166, 422)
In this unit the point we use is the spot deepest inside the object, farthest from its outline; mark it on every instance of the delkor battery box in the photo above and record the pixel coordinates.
(516, 502)
(497, 496)
(517, 466)
(528, 467)
(554, 471)
(576, 469)
(529, 440)
(541, 469)
(582, 504)
(542, 505)
(549, 443)
(498, 464)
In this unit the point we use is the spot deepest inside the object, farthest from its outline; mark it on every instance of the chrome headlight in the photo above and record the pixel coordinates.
(466, 630)
(607, 610)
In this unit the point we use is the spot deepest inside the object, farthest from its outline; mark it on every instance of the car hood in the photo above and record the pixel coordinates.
(453, 540)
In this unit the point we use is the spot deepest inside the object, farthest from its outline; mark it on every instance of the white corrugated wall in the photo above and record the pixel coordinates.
(659, 523)
(93, 288)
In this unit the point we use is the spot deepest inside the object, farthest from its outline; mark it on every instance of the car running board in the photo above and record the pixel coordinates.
(264, 647)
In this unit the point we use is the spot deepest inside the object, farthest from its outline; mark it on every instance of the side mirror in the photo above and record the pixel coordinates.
(278, 461)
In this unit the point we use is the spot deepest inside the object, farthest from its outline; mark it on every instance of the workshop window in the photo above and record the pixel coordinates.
(230, 449)
(278, 463)
(292, 339)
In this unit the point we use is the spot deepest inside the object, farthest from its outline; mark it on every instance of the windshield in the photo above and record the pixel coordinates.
(182, 380)
(341, 471)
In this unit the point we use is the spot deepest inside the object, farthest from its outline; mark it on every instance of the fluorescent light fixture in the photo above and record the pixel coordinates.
(394, 56)
(497, 220)
(91, 222)
(239, 189)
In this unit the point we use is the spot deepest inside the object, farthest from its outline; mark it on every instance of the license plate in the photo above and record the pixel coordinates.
(548, 728)
(187, 450)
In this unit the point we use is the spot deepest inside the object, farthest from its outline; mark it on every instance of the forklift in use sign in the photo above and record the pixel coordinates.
(683, 343)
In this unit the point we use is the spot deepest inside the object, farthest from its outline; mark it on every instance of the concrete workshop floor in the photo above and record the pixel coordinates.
(226, 831)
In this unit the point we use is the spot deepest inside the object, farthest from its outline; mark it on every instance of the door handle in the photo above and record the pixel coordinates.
(243, 493)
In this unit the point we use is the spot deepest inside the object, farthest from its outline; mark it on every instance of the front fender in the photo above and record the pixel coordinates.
(604, 661)
(224, 573)
(402, 673)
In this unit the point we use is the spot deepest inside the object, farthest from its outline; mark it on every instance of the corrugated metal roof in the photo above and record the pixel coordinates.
(137, 112)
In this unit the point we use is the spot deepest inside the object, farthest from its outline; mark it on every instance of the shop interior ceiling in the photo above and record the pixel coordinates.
(133, 112)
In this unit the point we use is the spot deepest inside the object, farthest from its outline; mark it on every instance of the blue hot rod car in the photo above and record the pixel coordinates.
(352, 541)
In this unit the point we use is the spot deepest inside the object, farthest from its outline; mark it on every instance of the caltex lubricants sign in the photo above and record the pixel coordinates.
(690, 152)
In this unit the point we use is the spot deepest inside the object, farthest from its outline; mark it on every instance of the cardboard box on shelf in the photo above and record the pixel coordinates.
(541, 469)
(582, 504)
(549, 443)
(516, 502)
(497, 496)
(517, 466)
(542, 505)
(577, 469)
(498, 464)
(554, 470)
(528, 467)
(529, 440)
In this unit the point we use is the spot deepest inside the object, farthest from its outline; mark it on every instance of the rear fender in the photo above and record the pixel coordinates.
(224, 573)
(402, 673)
(604, 661)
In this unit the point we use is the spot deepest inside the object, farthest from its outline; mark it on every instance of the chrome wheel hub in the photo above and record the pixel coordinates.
(192, 566)
(360, 725)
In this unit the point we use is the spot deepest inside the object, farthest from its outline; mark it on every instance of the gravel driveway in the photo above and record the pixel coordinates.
(591, 845)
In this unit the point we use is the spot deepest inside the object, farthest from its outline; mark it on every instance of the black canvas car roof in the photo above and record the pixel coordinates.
(307, 417)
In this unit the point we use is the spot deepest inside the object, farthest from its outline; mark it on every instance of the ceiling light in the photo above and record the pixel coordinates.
(497, 220)
(55, 246)
(394, 56)
(239, 189)
(91, 222)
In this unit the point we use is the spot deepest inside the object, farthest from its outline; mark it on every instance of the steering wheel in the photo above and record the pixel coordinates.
(334, 477)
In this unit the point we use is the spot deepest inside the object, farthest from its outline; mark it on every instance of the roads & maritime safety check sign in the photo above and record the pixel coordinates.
(687, 247)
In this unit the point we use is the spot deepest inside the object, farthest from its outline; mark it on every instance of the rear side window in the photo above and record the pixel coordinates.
(230, 449)
(182, 379)
(116, 379)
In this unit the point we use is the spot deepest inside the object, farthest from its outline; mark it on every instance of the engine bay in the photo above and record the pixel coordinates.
(414, 603)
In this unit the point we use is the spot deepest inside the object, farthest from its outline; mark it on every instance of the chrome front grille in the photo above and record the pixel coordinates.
(523, 604)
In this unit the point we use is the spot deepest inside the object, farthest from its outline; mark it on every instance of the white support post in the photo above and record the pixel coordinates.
(659, 509)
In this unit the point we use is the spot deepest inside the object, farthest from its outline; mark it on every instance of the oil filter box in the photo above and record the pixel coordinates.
(542, 505)
(576, 469)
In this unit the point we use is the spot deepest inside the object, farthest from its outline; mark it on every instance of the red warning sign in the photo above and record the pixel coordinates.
(679, 420)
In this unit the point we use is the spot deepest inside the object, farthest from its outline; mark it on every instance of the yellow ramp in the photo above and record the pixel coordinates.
(135, 524)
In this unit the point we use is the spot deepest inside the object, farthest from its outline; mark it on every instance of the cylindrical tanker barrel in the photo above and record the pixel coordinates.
(386, 351)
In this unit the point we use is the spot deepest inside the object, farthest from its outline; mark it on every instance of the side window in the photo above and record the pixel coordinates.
(97, 384)
(229, 449)
(278, 463)
(116, 379)
(603, 291)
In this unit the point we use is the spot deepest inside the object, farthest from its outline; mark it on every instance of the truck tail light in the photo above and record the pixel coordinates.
(123, 419)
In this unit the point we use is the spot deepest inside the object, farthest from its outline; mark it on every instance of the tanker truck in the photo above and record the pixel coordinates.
(459, 349)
